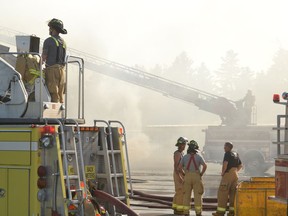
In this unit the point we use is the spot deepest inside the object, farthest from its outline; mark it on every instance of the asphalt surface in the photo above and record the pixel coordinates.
(163, 212)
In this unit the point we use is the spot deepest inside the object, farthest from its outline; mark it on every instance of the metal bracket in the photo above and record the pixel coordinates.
(2, 193)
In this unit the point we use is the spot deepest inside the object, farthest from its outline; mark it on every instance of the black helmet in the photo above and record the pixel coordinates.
(193, 146)
(181, 140)
(57, 25)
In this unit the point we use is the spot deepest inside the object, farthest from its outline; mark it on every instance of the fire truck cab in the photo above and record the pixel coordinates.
(51, 164)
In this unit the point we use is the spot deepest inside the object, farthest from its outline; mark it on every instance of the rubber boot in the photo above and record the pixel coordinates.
(179, 212)
(231, 213)
(218, 213)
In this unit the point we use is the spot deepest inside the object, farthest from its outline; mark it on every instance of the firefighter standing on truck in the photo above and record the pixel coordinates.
(54, 52)
(178, 176)
(29, 68)
(227, 189)
(194, 166)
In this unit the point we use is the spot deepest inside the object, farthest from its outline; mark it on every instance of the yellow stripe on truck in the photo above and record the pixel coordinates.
(17, 144)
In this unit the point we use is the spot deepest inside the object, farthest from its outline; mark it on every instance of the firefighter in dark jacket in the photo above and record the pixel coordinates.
(227, 189)
(53, 55)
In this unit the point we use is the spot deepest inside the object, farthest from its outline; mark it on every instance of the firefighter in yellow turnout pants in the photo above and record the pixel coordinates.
(227, 189)
(54, 54)
(28, 66)
(178, 176)
(194, 166)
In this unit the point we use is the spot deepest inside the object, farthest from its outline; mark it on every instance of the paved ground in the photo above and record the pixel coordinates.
(167, 214)
(164, 212)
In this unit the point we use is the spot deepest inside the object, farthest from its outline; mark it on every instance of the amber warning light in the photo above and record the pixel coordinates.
(47, 129)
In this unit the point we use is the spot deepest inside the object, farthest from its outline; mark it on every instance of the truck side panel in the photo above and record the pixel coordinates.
(18, 195)
(19, 160)
(3, 188)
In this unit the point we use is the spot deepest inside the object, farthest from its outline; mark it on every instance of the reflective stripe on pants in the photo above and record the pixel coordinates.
(193, 182)
(55, 81)
(227, 189)
(178, 196)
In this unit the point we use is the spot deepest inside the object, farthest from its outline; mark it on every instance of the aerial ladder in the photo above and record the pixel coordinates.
(230, 112)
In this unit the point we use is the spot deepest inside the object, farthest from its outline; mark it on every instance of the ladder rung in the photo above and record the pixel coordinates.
(68, 152)
(280, 128)
(281, 142)
(112, 175)
(102, 175)
(117, 174)
(75, 201)
(102, 152)
(114, 151)
(76, 190)
(72, 177)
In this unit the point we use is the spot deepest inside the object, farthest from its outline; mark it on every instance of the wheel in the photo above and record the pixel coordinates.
(254, 163)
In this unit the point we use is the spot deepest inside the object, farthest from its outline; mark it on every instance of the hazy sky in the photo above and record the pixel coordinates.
(149, 32)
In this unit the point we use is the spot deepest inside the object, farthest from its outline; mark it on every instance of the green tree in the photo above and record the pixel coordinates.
(274, 80)
(278, 70)
(181, 69)
(226, 76)
(157, 70)
(244, 82)
(232, 80)
(202, 78)
(276, 77)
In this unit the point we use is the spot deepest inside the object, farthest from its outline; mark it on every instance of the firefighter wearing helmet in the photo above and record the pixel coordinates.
(178, 176)
(53, 55)
(194, 166)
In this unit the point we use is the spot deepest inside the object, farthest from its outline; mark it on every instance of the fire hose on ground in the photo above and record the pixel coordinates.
(164, 202)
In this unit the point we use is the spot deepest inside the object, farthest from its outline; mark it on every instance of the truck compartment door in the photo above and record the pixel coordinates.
(14, 192)
(3, 191)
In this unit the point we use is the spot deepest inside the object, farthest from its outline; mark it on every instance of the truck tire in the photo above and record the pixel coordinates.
(254, 163)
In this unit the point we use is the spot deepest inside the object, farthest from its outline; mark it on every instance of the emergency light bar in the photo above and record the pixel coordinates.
(276, 98)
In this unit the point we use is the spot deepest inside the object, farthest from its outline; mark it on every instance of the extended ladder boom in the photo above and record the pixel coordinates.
(226, 109)
(229, 111)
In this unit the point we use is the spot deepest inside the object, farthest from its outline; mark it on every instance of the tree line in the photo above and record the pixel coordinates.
(232, 80)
